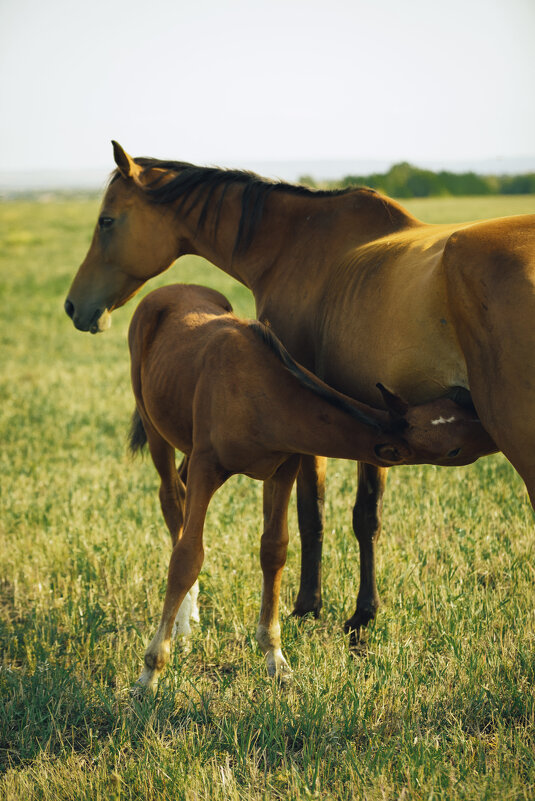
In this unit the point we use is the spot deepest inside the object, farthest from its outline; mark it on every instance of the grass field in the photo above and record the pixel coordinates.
(442, 707)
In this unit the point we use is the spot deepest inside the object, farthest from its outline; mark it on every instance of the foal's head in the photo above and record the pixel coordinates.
(440, 432)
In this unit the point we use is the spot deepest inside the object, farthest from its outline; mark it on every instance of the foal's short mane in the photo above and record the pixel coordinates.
(310, 381)
(192, 185)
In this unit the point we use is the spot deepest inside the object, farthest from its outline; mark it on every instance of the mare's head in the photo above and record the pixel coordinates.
(133, 240)
(441, 432)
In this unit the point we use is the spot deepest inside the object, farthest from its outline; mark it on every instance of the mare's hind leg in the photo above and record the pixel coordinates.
(491, 289)
(186, 560)
(310, 498)
(367, 527)
(273, 548)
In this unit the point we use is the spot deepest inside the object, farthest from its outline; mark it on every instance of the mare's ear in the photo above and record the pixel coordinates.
(395, 405)
(125, 163)
(129, 169)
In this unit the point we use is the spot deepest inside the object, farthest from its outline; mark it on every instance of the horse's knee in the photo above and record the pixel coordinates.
(273, 553)
(367, 515)
(311, 497)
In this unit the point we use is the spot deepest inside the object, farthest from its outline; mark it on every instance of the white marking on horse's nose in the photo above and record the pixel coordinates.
(104, 321)
(441, 420)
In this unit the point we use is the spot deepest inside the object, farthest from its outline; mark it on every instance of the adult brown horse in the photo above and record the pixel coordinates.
(356, 288)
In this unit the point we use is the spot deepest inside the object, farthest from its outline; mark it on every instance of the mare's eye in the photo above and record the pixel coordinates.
(105, 222)
(453, 453)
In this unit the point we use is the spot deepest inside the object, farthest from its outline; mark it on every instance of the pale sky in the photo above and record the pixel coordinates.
(225, 81)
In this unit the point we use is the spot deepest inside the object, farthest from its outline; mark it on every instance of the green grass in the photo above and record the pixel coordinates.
(443, 706)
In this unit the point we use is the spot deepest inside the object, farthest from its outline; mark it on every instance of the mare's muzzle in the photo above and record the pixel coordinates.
(99, 320)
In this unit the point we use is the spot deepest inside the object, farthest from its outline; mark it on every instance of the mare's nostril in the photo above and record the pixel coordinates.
(69, 308)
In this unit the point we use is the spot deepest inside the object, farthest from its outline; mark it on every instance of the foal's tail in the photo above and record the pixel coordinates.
(137, 438)
(310, 381)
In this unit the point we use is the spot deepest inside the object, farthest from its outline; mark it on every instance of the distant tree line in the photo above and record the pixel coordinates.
(406, 180)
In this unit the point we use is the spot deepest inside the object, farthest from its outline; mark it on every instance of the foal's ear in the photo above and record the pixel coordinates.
(125, 163)
(390, 453)
(395, 405)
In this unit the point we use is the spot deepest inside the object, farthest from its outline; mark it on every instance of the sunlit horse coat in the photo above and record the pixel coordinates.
(356, 288)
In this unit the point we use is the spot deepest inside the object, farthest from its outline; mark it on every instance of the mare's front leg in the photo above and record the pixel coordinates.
(273, 549)
(310, 499)
(186, 560)
(367, 527)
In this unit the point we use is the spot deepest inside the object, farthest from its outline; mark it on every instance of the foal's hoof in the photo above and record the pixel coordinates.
(139, 692)
(146, 685)
(279, 669)
(284, 675)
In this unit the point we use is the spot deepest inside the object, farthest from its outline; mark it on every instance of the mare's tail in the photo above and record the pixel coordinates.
(137, 439)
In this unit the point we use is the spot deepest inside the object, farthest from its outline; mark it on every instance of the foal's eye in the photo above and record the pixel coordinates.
(105, 222)
(453, 453)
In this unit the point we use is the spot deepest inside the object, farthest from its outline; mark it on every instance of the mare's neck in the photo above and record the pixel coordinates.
(303, 231)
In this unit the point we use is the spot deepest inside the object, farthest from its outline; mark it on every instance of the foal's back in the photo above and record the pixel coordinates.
(205, 380)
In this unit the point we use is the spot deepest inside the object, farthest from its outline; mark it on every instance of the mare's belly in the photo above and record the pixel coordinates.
(393, 325)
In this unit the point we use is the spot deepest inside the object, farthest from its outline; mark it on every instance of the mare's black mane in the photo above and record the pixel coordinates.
(192, 185)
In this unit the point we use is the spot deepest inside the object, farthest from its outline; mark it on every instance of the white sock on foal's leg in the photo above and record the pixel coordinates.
(187, 612)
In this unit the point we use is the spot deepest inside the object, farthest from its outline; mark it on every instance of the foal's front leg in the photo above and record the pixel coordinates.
(185, 564)
(273, 548)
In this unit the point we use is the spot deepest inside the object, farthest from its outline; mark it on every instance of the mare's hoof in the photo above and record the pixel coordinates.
(356, 628)
(306, 610)
(311, 614)
(358, 646)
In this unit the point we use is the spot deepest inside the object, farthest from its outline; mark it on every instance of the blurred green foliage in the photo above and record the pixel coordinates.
(405, 180)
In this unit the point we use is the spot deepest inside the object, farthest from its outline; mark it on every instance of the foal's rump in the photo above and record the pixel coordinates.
(168, 340)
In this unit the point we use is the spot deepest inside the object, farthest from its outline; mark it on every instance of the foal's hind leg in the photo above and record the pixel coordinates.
(172, 501)
(186, 561)
(273, 548)
(367, 527)
(310, 498)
